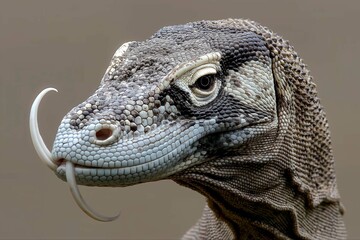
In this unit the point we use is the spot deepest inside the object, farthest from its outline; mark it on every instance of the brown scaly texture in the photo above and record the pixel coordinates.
(289, 193)
(226, 108)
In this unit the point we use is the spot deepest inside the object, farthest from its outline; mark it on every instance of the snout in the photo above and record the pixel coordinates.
(103, 155)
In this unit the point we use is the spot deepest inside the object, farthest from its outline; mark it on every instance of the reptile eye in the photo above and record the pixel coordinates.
(205, 83)
(200, 78)
(204, 86)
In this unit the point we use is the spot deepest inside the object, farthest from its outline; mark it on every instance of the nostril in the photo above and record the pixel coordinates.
(104, 134)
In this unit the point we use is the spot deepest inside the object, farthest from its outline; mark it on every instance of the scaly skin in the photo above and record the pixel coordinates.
(226, 108)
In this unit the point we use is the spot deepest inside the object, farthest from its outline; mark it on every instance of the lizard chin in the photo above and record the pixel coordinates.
(45, 156)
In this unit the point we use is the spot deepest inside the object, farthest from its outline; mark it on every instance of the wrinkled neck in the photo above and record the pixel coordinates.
(259, 200)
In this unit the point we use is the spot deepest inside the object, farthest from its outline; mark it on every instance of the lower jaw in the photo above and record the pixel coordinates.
(87, 176)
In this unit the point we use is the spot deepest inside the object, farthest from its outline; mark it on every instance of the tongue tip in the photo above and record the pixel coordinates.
(36, 138)
(70, 178)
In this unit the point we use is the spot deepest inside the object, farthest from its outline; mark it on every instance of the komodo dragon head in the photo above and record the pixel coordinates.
(226, 108)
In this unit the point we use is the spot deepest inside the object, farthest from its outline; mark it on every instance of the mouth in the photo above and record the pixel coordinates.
(94, 175)
(61, 163)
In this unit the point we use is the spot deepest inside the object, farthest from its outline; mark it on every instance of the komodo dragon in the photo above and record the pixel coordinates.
(226, 108)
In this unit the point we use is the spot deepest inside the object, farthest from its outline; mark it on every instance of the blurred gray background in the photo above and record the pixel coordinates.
(68, 45)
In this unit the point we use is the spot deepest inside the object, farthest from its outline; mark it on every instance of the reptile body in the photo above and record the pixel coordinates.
(226, 108)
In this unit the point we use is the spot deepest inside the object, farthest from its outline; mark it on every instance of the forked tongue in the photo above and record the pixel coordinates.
(45, 156)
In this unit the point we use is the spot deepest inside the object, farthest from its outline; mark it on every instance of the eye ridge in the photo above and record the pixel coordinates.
(205, 83)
